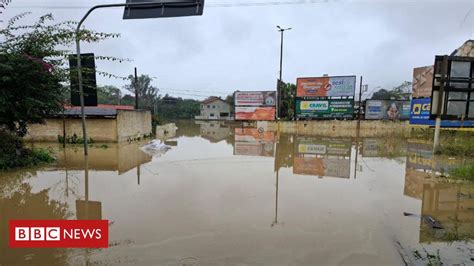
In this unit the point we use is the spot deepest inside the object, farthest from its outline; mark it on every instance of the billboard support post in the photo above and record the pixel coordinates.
(360, 107)
(444, 66)
(136, 89)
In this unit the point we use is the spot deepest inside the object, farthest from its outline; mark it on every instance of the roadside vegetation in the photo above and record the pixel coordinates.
(465, 172)
(34, 80)
(13, 154)
(452, 142)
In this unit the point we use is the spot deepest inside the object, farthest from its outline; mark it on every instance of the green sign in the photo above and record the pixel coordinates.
(327, 108)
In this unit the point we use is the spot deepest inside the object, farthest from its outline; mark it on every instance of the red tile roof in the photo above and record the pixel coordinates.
(211, 99)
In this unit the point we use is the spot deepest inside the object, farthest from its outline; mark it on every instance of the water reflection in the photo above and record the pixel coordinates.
(452, 206)
(227, 191)
(254, 142)
(322, 157)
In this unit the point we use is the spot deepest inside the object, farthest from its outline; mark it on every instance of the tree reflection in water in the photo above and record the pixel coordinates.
(18, 202)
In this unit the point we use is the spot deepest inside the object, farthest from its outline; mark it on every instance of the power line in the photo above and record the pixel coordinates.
(199, 91)
(211, 5)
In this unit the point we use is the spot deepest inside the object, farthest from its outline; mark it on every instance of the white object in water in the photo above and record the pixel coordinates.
(155, 148)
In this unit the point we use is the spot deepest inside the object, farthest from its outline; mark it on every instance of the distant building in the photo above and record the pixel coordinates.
(214, 108)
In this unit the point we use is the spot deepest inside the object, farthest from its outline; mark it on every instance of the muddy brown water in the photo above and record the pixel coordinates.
(242, 196)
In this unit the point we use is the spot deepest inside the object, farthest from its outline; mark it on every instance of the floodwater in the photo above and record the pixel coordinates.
(226, 195)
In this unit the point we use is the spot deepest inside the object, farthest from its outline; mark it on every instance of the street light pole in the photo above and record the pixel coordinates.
(281, 30)
(78, 47)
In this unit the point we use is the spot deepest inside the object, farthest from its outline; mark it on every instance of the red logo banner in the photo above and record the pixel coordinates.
(59, 233)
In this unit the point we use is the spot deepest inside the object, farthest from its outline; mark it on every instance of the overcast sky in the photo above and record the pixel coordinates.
(238, 47)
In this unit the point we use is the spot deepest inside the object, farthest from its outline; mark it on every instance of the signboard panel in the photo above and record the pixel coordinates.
(387, 110)
(255, 98)
(254, 149)
(251, 141)
(172, 8)
(422, 81)
(251, 134)
(452, 93)
(324, 146)
(343, 86)
(89, 84)
(321, 166)
(254, 113)
(328, 108)
(420, 115)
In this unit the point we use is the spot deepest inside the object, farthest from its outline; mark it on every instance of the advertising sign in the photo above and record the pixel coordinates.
(422, 81)
(420, 115)
(251, 134)
(253, 142)
(387, 110)
(343, 86)
(89, 84)
(324, 146)
(321, 166)
(255, 98)
(254, 113)
(254, 149)
(328, 108)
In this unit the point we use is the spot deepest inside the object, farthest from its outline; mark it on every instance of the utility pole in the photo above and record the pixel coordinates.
(136, 89)
(440, 102)
(360, 106)
(281, 30)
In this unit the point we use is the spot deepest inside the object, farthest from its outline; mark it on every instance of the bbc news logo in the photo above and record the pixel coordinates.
(59, 234)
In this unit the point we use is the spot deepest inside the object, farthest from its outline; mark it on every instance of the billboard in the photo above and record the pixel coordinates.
(253, 142)
(324, 146)
(333, 167)
(422, 81)
(177, 8)
(255, 98)
(89, 84)
(420, 115)
(343, 86)
(254, 113)
(387, 110)
(328, 108)
(251, 134)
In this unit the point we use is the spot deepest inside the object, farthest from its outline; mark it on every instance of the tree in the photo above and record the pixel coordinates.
(181, 108)
(109, 94)
(128, 100)
(400, 92)
(33, 69)
(230, 99)
(3, 5)
(147, 94)
(288, 93)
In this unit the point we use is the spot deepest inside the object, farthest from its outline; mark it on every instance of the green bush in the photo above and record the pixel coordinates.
(74, 139)
(464, 172)
(13, 154)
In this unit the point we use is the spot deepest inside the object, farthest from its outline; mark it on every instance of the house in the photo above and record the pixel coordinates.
(214, 108)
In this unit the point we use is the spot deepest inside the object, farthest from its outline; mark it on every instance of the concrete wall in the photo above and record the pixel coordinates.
(133, 124)
(166, 131)
(338, 128)
(129, 124)
(100, 130)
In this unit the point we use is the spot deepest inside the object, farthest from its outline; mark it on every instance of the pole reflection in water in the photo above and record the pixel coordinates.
(275, 221)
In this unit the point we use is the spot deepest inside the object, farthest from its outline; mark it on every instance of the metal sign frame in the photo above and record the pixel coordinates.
(449, 89)
(170, 8)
